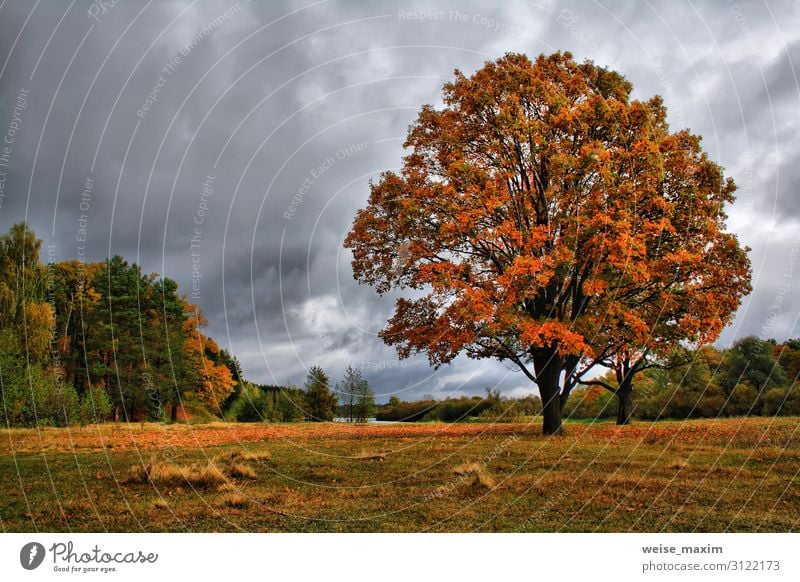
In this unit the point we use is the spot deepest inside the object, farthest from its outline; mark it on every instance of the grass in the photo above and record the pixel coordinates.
(704, 475)
(167, 473)
(476, 477)
(234, 500)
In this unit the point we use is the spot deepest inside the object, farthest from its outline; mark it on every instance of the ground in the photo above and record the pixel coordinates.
(704, 475)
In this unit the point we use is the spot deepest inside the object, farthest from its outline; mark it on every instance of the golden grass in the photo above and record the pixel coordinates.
(160, 504)
(369, 456)
(476, 476)
(240, 471)
(234, 500)
(168, 473)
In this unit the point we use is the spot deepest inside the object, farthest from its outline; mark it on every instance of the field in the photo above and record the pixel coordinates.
(710, 475)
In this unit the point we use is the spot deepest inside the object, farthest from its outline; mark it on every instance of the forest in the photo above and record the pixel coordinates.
(87, 342)
(91, 342)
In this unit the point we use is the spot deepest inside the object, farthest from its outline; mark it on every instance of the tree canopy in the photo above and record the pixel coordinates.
(544, 217)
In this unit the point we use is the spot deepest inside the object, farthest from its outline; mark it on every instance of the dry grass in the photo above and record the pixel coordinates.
(475, 476)
(240, 471)
(234, 500)
(698, 475)
(120, 437)
(363, 455)
(211, 474)
(160, 504)
(168, 473)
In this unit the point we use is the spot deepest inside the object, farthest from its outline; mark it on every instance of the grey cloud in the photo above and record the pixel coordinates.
(324, 77)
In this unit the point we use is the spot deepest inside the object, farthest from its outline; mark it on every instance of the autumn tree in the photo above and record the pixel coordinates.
(545, 218)
(214, 382)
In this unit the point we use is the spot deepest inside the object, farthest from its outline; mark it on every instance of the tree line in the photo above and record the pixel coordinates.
(90, 342)
(754, 377)
(351, 399)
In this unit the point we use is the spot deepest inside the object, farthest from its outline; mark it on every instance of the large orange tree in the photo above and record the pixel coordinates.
(545, 218)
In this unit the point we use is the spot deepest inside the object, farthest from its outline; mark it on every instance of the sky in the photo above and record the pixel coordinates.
(228, 145)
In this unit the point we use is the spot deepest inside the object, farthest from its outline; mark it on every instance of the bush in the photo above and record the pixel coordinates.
(743, 401)
(288, 405)
(405, 411)
(95, 405)
(781, 402)
(252, 405)
(512, 410)
(47, 401)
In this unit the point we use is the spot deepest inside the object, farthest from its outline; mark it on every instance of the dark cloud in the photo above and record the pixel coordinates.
(289, 109)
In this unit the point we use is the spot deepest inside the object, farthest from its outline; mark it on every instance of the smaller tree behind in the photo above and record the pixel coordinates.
(320, 400)
(365, 403)
(348, 392)
(287, 405)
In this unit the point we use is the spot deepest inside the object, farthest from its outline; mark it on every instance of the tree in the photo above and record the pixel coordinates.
(22, 276)
(252, 405)
(750, 363)
(349, 391)
(788, 357)
(38, 331)
(288, 404)
(76, 338)
(365, 402)
(545, 218)
(320, 402)
(214, 382)
(166, 369)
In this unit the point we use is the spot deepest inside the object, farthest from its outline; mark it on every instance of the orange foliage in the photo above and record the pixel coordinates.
(544, 216)
(215, 382)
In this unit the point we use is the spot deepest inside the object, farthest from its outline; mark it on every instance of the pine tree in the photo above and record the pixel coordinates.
(320, 400)
(365, 403)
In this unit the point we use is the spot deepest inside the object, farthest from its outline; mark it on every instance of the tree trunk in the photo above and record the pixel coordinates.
(551, 415)
(624, 406)
(548, 371)
(174, 412)
(625, 397)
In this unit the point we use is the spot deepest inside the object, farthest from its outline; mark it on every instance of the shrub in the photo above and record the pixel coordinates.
(50, 401)
(288, 405)
(95, 405)
(252, 405)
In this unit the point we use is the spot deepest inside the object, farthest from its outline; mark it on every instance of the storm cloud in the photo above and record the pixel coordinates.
(229, 144)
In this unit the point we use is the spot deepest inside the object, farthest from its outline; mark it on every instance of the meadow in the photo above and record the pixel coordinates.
(738, 474)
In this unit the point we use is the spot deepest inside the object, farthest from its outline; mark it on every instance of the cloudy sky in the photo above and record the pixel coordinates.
(236, 140)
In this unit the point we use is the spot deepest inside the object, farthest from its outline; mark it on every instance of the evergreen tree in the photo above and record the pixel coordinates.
(320, 401)
(365, 404)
